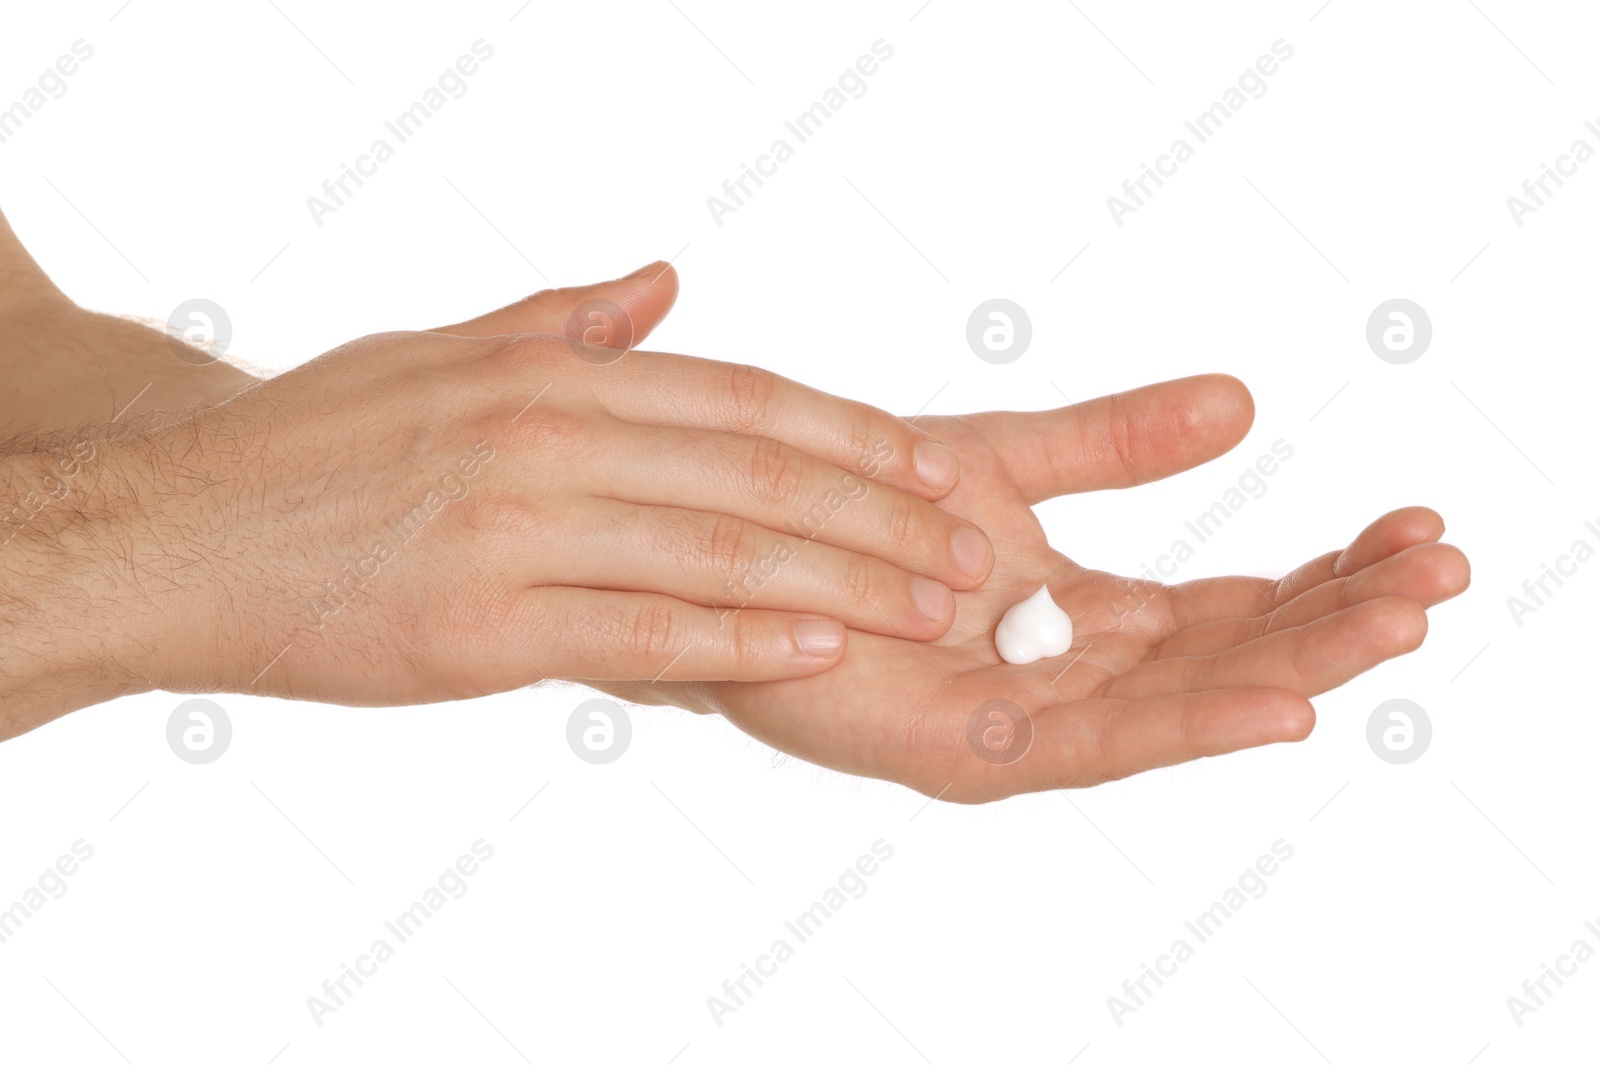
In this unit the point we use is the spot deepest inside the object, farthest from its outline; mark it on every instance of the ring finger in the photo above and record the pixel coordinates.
(730, 564)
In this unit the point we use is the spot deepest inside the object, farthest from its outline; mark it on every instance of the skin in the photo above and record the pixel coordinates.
(1157, 674)
(585, 516)
(65, 366)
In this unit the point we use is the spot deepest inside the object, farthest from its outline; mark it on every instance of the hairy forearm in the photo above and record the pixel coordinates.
(69, 637)
(81, 576)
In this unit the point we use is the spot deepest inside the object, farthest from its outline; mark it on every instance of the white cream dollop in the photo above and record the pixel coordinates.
(1033, 629)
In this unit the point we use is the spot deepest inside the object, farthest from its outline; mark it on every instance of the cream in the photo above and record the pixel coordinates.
(1033, 629)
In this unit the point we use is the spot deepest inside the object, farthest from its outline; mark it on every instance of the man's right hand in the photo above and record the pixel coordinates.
(423, 516)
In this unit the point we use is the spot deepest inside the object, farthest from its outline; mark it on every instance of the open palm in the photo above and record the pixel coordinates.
(1156, 675)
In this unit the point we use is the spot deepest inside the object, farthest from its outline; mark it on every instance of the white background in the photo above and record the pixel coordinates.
(1376, 166)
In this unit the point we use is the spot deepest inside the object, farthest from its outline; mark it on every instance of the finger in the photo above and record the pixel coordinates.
(629, 308)
(730, 564)
(783, 488)
(1132, 736)
(1426, 573)
(1309, 660)
(1169, 730)
(1092, 741)
(1389, 535)
(654, 388)
(582, 634)
(1236, 597)
(1119, 440)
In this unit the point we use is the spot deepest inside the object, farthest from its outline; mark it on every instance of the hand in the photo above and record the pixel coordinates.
(424, 516)
(1156, 675)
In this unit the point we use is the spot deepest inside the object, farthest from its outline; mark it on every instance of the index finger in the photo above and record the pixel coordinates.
(655, 388)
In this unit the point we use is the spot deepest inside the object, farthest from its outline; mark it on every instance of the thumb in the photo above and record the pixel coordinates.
(617, 314)
(1121, 440)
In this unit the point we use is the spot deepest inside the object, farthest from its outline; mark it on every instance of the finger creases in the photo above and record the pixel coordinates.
(1120, 440)
(729, 563)
(654, 388)
(1246, 597)
(1426, 573)
(1307, 659)
(1092, 741)
(584, 634)
(773, 484)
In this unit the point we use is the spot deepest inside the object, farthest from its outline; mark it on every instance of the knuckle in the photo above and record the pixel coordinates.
(903, 524)
(520, 351)
(537, 427)
(750, 391)
(747, 646)
(858, 579)
(507, 521)
(485, 517)
(1109, 762)
(476, 628)
(723, 546)
(775, 475)
(1346, 596)
(1120, 436)
(649, 631)
(863, 434)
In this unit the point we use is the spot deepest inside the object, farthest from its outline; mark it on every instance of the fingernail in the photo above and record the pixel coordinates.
(933, 599)
(972, 551)
(819, 636)
(653, 269)
(936, 464)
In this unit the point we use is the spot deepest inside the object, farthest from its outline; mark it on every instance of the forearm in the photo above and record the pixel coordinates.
(69, 635)
(64, 367)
